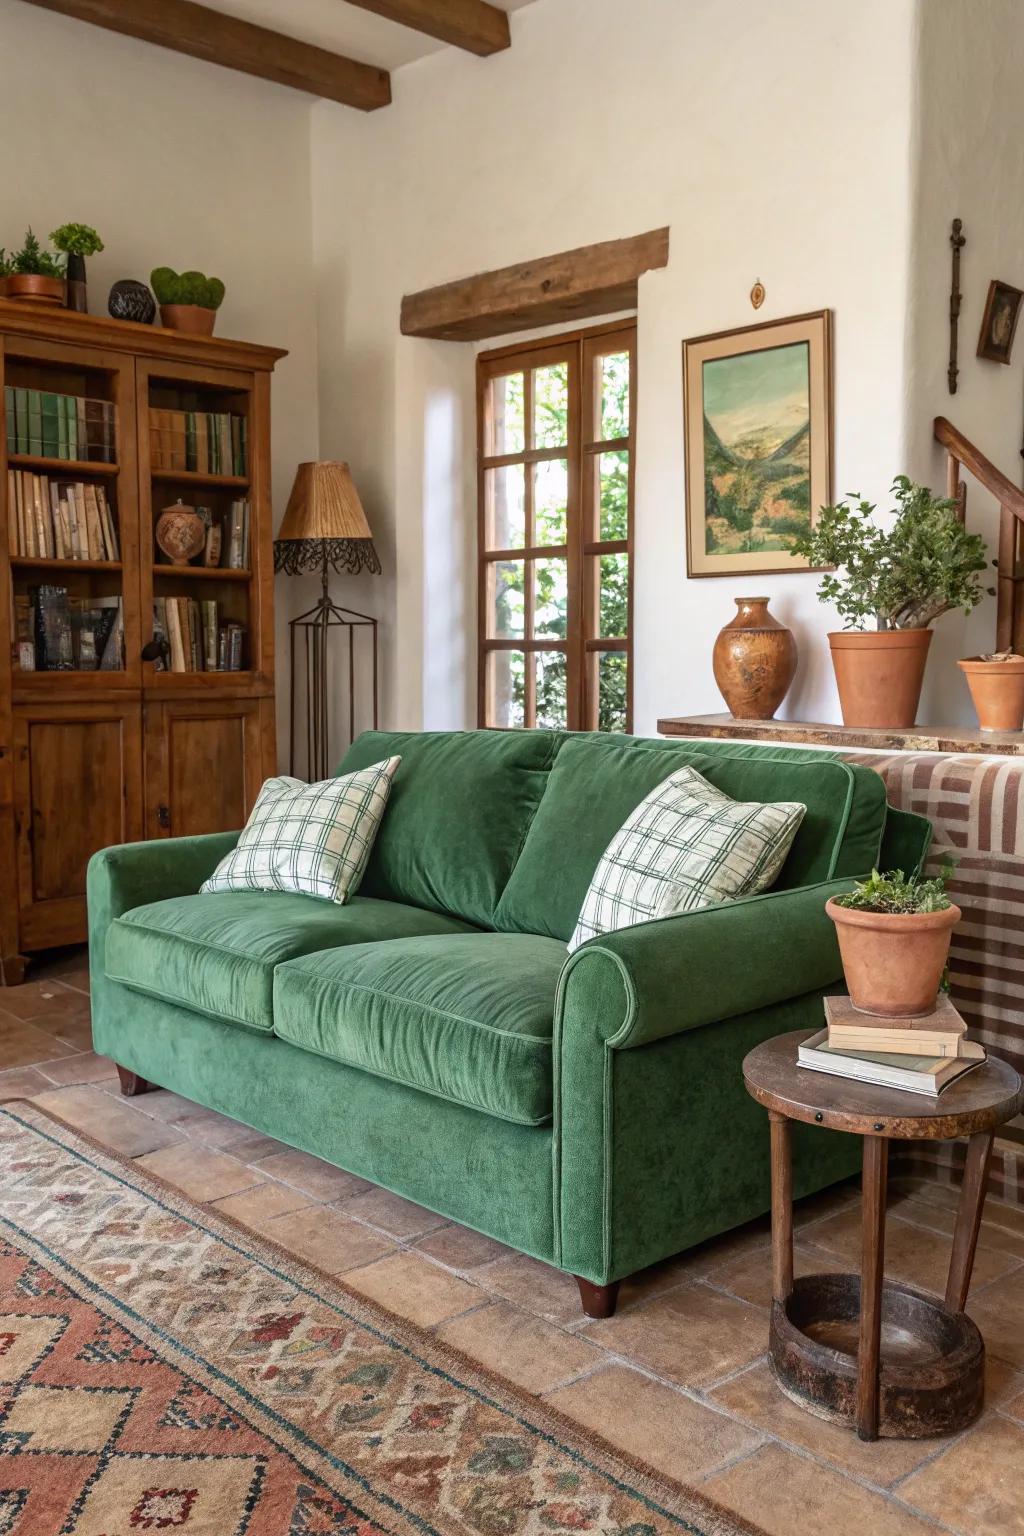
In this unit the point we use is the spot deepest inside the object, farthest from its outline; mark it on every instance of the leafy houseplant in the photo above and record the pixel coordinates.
(900, 578)
(996, 682)
(188, 301)
(894, 932)
(77, 241)
(35, 274)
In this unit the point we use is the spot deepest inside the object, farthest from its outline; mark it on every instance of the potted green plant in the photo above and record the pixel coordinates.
(894, 933)
(901, 578)
(996, 682)
(5, 270)
(188, 301)
(35, 274)
(77, 241)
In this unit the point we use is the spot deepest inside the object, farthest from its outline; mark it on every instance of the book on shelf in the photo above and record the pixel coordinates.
(925, 1074)
(59, 426)
(53, 519)
(204, 442)
(55, 632)
(938, 1033)
(194, 638)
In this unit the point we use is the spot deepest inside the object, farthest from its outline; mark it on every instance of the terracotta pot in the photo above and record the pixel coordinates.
(879, 674)
(997, 689)
(893, 964)
(754, 661)
(35, 289)
(191, 318)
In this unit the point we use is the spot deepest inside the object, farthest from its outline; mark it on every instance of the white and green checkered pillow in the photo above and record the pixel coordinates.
(313, 839)
(685, 846)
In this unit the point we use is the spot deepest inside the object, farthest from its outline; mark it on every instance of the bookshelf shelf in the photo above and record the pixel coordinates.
(65, 468)
(38, 563)
(204, 572)
(196, 477)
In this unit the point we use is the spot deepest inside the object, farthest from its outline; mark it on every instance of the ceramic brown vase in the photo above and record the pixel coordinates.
(754, 661)
(180, 533)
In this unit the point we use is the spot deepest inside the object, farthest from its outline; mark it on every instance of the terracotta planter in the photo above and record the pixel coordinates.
(754, 661)
(997, 689)
(35, 289)
(879, 674)
(191, 318)
(893, 964)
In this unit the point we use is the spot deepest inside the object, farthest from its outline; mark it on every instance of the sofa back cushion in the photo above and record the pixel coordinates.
(597, 781)
(460, 808)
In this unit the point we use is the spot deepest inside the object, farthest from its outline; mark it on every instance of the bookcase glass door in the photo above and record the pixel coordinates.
(195, 447)
(69, 497)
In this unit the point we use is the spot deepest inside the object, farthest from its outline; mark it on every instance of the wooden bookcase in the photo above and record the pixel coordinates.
(93, 757)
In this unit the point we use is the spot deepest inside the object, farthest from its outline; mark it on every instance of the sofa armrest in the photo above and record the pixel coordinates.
(130, 874)
(678, 973)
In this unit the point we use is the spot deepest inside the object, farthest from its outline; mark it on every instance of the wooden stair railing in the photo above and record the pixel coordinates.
(1010, 497)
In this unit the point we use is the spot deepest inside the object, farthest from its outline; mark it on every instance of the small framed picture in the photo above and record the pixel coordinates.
(758, 427)
(1002, 311)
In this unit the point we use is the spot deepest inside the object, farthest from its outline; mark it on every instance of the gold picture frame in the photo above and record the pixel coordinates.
(757, 425)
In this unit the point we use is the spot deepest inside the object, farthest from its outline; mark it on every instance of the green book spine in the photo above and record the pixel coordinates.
(63, 449)
(35, 422)
(21, 420)
(51, 434)
(190, 440)
(214, 443)
(9, 418)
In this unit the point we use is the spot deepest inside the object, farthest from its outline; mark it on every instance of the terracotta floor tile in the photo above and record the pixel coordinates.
(415, 1289)
(999, 1313)
(942, 1219)
(755, 1398)
(546, 1292)
(41, 999)
(199, 1171)
(750, 1278)
(393, 1215)
(977, 1486)
(653, 1422)
(532, 1353)
(74, 1032)
(23, 1045)
(23, 1083)
(195, 1120)
(82, 1067)
(258, 1207)
(788, 1495)
(111, 1121)
(250, 1145)
(695, 1263)
(693, 1336)
(461, 1247)
(914, 1255)
(310, 1174)
(327, 1239)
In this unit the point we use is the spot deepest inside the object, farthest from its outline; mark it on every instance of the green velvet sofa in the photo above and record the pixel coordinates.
(434, 1036)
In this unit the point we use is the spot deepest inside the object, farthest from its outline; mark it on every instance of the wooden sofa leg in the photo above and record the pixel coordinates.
(598, 1300)
(131, 1083)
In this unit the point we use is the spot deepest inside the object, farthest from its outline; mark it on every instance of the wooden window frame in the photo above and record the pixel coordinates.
(584, 645)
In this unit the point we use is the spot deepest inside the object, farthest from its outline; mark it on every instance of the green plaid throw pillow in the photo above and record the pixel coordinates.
(313, 839)
(685, 846)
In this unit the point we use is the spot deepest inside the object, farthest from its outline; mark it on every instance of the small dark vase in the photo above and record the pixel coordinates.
(754, 661)
(131, 300)
(77, 298)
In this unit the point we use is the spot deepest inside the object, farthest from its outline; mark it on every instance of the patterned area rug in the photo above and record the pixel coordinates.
(162, 1369)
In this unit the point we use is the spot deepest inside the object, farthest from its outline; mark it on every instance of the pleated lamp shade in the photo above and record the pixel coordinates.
(324, 523)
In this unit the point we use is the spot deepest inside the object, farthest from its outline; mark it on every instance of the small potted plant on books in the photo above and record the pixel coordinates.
(901, 578)
(77, 241)
(188, 301)
(894, 933)
(36, 275)
(996, 682)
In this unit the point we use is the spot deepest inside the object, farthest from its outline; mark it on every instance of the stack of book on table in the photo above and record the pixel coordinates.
(922, 1054)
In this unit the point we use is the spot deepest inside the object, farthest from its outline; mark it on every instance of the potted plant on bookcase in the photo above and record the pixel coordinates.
(188, 301)
(77, 241)
(36, 275)
(902, 577)
(5, 271)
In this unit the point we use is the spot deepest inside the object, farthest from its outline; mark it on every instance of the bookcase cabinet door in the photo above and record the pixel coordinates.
(77, 788)
(205, 762)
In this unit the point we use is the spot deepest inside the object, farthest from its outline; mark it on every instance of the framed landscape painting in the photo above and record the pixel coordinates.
(758, 425)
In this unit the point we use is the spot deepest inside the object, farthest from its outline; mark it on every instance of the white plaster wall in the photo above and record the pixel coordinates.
(175, 162)
(970, 164)
(775, 140)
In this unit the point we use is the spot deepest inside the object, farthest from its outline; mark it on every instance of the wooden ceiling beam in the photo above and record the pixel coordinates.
(186, 27)
(574, 285)
(471, 24)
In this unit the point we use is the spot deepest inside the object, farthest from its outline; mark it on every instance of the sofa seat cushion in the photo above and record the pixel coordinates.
(216, 953)
(466, 1017)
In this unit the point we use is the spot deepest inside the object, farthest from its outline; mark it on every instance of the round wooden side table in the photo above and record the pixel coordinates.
(855, 1349)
